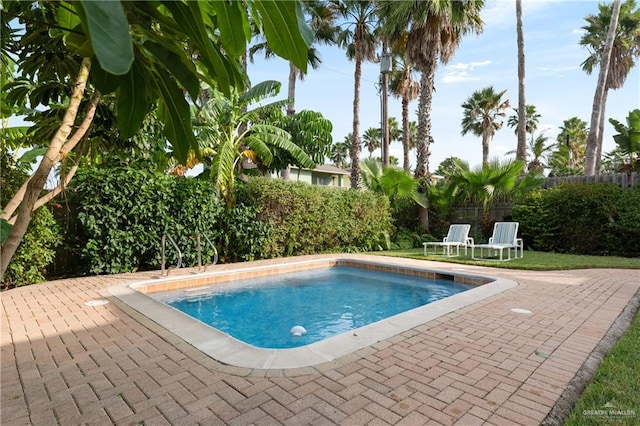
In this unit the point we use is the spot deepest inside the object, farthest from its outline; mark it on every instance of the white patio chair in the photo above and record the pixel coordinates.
(457, 236)
(505, 236)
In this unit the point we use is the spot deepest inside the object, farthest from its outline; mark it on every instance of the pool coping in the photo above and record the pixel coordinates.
(231, 351)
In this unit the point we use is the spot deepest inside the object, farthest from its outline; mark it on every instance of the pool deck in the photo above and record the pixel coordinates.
(67, 363)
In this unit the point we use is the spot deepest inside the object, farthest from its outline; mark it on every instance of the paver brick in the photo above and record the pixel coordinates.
(469, 420)
(382, 413)
(449, 394)
(414, 418)
(436, 415)
(277, 411)
(67, 363)
(304, 417)
(457, 408)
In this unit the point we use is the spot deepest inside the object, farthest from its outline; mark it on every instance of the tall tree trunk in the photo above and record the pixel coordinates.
(291, 108)
(521, 151)
(601, 128)
(406, 164)
(485, 149)
(291, 89)
(593, 139)
(424, 135)
(354, 152)
(61, 143)
(424, 122)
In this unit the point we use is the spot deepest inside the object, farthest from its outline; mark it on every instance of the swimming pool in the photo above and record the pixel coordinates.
(324, 302)
(228, 350)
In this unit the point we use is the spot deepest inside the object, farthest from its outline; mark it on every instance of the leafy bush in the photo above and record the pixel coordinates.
(36, 251)
(308, 219)
(120, 215)
(244, 236)
(404, 239)
(594, 218)
(625, 229)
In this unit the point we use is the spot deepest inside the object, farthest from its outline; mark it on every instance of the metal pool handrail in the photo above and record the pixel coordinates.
(163, 242)
(215, 252)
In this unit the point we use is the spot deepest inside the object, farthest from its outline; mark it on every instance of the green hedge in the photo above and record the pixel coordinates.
(120, 215)
(308, 219)
(594, 218)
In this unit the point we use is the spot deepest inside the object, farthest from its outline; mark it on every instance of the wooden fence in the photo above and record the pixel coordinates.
(624, 180)
(473, 214)
(502, 209)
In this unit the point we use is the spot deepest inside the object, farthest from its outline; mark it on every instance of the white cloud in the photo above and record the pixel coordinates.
(460, 71)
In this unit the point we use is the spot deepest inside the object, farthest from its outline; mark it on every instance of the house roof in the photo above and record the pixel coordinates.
(328, 168)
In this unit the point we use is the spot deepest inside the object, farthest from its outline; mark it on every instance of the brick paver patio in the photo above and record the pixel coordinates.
(67, 363)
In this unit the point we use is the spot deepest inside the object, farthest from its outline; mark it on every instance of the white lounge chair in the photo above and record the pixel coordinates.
(457, 236)
(505, 236)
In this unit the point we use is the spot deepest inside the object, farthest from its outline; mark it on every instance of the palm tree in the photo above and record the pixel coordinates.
(357, 37)
(391, 181)
(486, 183)
(406, 88)
(340, 151)
(371, 139)
(537, 148)
(532, 120)
(521, 150)
(570, 147)
(394, 130)
(613, 39)
(434, 31)
(402, 82)
(481, 115)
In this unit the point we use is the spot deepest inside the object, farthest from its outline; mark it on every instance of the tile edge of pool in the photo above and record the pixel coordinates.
(228, 350)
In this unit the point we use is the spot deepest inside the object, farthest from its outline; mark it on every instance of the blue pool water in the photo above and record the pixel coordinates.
(326, 302)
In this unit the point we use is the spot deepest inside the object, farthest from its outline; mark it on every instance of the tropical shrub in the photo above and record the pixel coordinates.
(37, 249)
(308, 219)
(117, 217)
(625, 229)
(35, 253)
(405, 238)
(120, 215)
(628, 140)
(244, 236)
(594, 218)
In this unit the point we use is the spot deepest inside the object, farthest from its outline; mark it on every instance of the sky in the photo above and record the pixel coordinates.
(555, 83)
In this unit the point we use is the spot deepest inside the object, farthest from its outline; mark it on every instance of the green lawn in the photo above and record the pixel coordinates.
(532, 260)
(613, 395)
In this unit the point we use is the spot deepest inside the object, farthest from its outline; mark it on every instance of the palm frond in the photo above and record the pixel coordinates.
(260, 91)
